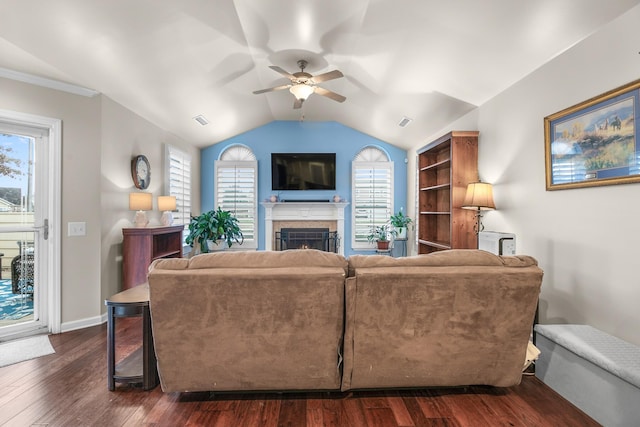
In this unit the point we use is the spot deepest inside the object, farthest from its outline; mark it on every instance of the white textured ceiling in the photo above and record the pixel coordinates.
(170, 60)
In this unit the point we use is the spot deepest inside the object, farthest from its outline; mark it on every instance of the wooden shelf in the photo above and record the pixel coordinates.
(168, 254)
(445, 167)
(130, 368)
(439, 164)
(445, 186)
(437, 245)
(141, 246)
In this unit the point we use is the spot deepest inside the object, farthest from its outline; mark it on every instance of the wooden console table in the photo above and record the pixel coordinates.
(141, 246)
(139, 366)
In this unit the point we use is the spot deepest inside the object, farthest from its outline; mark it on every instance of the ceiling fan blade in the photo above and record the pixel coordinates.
(283, 72)
(271, 89)
(325, 92)
(297, 103)
(335, 74)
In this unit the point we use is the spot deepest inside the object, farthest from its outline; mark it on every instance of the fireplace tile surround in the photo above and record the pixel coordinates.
(280, 215)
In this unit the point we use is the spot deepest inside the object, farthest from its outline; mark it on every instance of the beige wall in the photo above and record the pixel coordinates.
(585, 239)
(80, 273)
(99, 137)
(125, 135)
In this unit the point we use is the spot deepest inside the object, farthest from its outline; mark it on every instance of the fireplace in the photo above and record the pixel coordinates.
(306, 215)
(307, 238)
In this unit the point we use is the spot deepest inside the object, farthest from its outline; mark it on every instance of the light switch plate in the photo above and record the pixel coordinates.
(77, 229)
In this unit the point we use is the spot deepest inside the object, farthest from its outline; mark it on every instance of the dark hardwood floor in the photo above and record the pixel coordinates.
(69, 388)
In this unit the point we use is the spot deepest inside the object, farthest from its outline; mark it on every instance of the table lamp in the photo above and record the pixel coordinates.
(140, 202)
(479, 197)
(166, 204)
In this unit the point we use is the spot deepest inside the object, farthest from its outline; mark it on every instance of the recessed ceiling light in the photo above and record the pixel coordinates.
(405, 121)
(201, 119)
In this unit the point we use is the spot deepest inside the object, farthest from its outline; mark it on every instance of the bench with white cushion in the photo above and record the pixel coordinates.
(597, 372)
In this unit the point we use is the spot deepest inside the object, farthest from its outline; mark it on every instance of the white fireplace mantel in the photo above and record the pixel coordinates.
(303, 211)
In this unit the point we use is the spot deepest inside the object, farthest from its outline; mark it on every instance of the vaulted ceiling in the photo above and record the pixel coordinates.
(168, 61)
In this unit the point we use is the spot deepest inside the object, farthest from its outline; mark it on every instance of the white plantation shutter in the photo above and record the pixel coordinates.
(179, 184)
(372, 192)
(236, 191)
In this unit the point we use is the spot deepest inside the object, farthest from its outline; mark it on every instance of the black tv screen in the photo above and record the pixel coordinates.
(303, 171)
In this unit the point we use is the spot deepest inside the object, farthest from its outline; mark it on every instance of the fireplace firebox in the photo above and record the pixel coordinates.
(307, 238)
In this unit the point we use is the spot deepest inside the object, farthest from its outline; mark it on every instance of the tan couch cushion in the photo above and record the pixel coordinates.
(254, 260)
(458, 257)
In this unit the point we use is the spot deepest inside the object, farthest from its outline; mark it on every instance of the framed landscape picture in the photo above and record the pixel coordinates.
(594, 142)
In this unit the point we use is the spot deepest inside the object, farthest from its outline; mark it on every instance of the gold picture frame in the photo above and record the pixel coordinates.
(594, 142)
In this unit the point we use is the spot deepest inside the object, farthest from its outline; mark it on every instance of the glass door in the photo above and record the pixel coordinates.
(23, 230)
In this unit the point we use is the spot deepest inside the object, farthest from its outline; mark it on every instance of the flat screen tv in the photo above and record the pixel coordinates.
(303, 171)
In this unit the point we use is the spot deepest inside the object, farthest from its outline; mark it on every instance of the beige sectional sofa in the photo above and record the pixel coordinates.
(311, 320)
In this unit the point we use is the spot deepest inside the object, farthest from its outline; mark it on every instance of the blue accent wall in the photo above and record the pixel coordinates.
(304, 137)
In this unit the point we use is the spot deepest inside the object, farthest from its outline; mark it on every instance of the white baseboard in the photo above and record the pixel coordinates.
(83, 323)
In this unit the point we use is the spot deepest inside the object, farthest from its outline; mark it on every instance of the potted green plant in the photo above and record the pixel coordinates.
(213, 229)
(400, 224)
(380, 234)
(229, 228)
(202, 228)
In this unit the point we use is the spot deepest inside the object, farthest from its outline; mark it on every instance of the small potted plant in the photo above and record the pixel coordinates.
(213, 230)
(380, 234)
(400, 224)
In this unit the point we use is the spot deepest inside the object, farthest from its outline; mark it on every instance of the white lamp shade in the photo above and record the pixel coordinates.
(140, 201)
(301, 91)
(166, 203)
(479, 196)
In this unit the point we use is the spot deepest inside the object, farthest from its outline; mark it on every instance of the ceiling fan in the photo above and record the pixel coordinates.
(304, 84)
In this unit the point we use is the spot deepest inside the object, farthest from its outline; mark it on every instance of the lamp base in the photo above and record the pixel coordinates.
(478, 227)
(140, 219)
(167, 218)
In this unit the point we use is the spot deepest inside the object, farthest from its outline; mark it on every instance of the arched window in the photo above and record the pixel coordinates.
(236, 189)
(372, 192)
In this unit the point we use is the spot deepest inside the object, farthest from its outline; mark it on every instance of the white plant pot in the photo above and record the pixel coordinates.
(401, 233)
(219, 245)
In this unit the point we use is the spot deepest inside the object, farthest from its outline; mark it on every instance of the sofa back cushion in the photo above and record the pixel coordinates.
(254, 260)
(451, 258)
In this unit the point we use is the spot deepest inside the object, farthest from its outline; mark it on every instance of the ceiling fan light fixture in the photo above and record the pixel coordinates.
(301, 91)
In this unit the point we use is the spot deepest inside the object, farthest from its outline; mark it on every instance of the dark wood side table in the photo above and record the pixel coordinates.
(139, 366)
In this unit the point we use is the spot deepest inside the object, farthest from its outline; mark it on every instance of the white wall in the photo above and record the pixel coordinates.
(585, 239)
